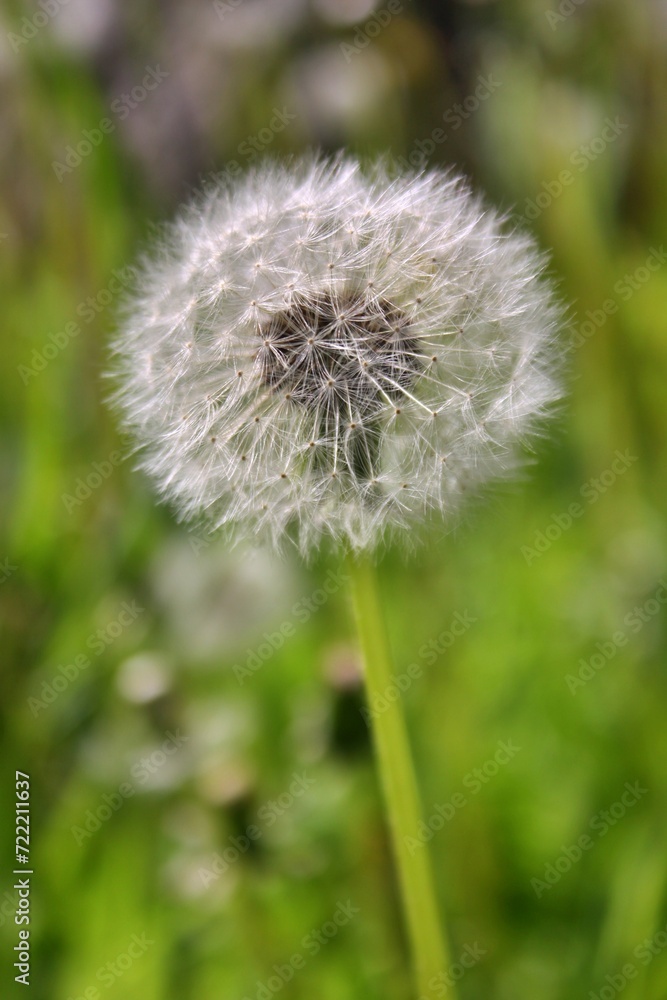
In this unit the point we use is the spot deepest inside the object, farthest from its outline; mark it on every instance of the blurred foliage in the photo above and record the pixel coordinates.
(521, 91)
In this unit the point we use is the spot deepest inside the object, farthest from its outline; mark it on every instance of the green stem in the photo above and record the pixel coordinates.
(427, 942)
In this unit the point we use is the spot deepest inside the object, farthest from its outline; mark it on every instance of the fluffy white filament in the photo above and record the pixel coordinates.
(315, 351)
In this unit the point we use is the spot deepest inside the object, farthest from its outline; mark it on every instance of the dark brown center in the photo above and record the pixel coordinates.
(343, 356)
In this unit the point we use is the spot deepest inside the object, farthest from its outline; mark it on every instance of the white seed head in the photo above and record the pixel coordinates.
(317, 351)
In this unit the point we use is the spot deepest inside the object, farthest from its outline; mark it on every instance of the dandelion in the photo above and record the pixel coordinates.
(315, 352)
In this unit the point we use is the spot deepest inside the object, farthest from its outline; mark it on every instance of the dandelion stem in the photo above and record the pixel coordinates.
(427, 942)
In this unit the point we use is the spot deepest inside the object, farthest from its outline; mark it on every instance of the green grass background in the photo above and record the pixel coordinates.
(69, 567)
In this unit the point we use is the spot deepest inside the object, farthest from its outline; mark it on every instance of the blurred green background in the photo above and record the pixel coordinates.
(126, 690)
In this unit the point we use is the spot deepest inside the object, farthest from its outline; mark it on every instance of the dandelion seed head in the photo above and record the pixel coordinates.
(317, 351)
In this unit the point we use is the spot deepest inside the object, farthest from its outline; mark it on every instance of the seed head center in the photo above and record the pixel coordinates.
(339, 353)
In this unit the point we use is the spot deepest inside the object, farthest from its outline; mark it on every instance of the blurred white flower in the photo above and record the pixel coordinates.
(344, 11)
(315, 351)
(216, 602)
(332, 98)
(143, 678)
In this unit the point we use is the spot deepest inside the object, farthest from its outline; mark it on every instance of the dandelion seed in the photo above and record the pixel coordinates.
(431, 309)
